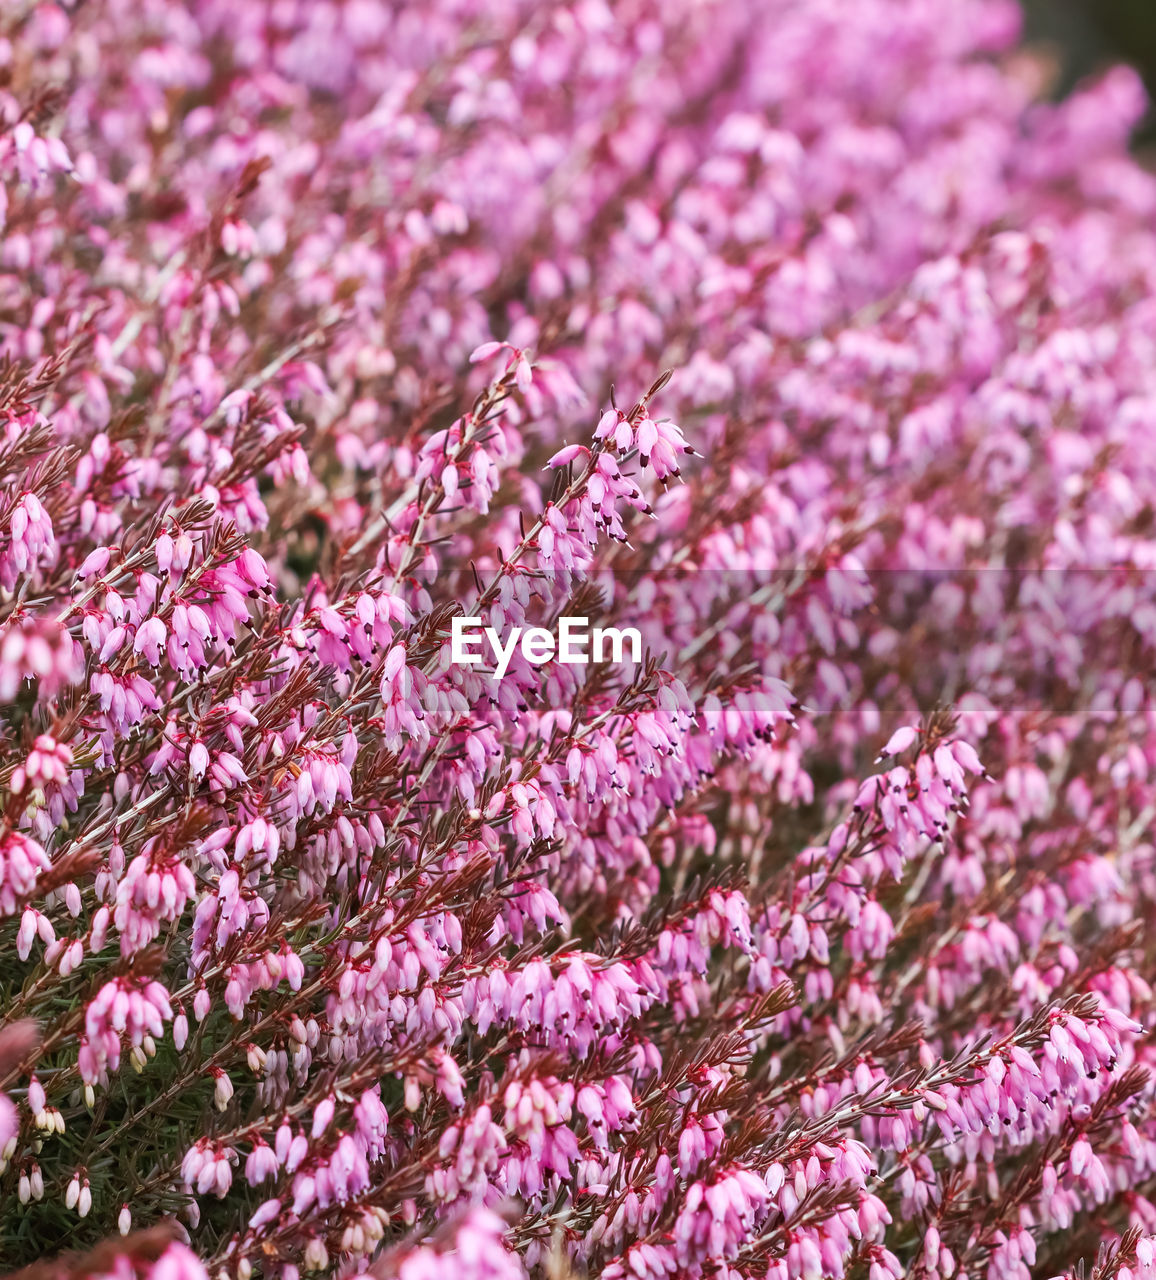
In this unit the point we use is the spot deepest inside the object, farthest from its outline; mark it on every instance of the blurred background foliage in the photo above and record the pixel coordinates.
(1087, 35)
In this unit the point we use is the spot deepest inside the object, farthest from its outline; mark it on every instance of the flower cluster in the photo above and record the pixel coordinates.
(809, 941)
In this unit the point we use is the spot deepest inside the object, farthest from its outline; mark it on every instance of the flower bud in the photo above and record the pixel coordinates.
(223, 1089)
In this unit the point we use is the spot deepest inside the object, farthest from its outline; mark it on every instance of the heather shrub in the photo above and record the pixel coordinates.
(806, 939)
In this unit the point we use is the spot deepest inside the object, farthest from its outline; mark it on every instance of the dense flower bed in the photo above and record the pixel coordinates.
(799, 335)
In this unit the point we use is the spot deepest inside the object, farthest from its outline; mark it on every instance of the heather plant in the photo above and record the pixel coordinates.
(808, 341)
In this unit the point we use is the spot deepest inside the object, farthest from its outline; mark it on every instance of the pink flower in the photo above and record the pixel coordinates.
(328, 325)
